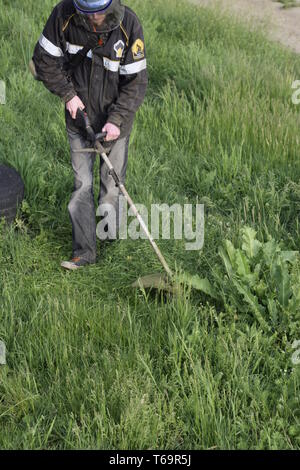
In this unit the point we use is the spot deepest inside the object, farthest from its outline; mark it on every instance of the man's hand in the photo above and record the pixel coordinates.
(73, 105)
(113, 132)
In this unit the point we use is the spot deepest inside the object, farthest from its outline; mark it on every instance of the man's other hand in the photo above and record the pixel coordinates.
(73, 105)
(113, 132)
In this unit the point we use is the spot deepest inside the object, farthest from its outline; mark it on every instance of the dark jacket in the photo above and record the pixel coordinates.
(111, 80)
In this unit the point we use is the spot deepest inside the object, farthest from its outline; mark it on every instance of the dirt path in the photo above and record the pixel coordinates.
(282, 25)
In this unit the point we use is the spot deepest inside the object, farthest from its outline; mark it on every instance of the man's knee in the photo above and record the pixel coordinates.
(83, 194)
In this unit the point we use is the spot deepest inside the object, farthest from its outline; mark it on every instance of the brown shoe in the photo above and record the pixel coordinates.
(75, 263)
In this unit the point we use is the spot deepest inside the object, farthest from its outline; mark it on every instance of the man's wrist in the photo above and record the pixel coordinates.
(116, 120)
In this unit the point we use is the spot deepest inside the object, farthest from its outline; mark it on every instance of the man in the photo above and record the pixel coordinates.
(92, 55)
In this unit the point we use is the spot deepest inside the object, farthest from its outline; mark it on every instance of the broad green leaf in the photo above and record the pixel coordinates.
(226, 261)
(197, 283)
(290, 256)
(261, 289)
(269, 288)
(257, 309)
(250, 245)
(231, 251)
(270, 251)
(242, 264)
(283, 284)
(257, 270)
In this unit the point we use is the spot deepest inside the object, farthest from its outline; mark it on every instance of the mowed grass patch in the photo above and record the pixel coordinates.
(93, 364)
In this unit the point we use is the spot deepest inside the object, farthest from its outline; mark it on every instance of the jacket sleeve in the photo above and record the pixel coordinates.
(133, 79)
(48, 58)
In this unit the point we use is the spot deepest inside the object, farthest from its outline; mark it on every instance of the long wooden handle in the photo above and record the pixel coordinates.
(134, 209)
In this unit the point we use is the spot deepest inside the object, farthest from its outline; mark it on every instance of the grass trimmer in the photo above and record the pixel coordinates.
(157, 281)
(169, 282)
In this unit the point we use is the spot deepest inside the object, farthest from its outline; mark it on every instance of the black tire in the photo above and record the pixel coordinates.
(11, 192)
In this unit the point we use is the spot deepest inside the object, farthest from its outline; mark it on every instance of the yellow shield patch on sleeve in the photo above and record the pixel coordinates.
(138, 50)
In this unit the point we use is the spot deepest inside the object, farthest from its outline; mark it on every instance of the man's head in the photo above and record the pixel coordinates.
(102, 14)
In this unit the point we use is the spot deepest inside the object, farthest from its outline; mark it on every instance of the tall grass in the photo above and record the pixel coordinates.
(93, 364)
(289, 3)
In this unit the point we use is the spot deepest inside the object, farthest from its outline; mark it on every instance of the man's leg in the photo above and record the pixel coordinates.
(81, 206)
(109, 193)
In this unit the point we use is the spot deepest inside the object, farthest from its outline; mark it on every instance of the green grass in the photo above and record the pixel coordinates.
(93, 364)
(289, 3)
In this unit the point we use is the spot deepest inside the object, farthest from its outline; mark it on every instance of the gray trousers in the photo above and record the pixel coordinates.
(81, 206)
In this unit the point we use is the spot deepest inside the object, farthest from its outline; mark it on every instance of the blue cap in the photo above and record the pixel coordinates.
(91, 6)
